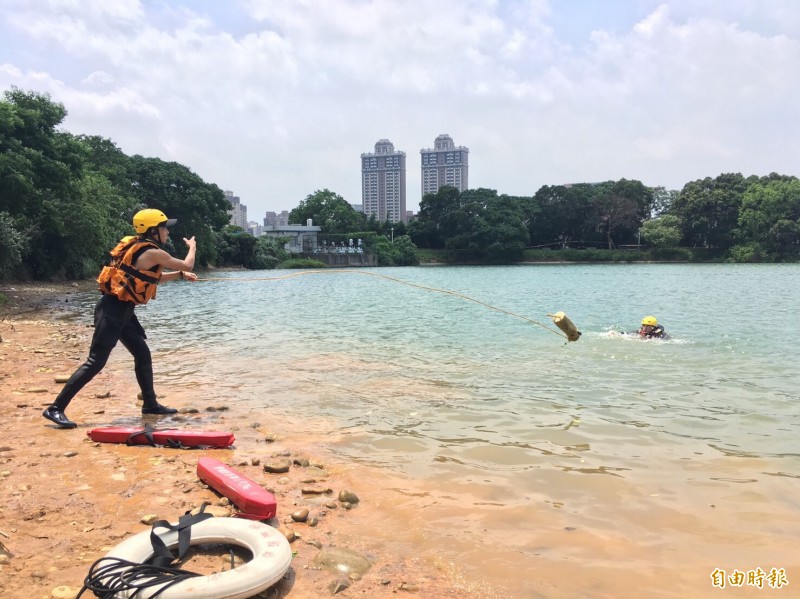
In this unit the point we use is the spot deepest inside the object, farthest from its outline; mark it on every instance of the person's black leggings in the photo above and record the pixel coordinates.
(114, 320)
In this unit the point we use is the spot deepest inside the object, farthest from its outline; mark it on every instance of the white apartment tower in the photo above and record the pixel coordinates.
(238, 211)
(444, 164)
(383, 183)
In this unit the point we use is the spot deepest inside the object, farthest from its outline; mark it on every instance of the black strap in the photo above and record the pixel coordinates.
(138, 274)
(137, 254)
(147, 432)
(162, 556)
(175, 444)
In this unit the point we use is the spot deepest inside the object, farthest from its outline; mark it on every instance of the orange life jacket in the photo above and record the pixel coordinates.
(121, 279)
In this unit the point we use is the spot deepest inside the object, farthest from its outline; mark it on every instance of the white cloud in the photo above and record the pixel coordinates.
(10, 71)
(98, 79)
(275, 99)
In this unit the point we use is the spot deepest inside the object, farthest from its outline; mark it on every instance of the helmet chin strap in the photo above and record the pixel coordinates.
(152, 235)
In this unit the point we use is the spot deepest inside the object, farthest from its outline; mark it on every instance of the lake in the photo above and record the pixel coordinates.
(608, 467)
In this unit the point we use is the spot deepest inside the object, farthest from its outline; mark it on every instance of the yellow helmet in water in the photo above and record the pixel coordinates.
(145, 219)
(649, 321)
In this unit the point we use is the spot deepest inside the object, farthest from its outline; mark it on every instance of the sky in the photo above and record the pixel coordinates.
(277, 99)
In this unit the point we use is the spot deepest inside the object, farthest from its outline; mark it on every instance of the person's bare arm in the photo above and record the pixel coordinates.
(180, 274)
(158, 257)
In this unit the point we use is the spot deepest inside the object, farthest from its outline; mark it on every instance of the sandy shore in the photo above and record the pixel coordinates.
(65, 500)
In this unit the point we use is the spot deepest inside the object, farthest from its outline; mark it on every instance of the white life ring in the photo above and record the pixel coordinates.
(271, 559)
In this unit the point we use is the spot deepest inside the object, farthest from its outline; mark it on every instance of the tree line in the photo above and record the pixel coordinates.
(741, 219)
(732, 217)
(65, 200)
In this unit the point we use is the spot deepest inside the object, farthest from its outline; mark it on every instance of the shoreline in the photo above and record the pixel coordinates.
(65, 500)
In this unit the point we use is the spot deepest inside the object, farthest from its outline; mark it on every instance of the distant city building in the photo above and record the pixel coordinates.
(273, 219)
(238, 211)
(254, 228)
(358, 207)
(383, 183)
(302, 239)
(444, 164)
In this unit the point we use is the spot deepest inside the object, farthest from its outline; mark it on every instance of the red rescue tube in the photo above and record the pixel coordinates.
(253, 500)
(170, 437)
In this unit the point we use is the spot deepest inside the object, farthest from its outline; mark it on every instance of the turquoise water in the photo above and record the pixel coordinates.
(590, 462)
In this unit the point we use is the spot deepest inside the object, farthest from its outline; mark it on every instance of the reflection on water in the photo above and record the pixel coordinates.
(602, 455)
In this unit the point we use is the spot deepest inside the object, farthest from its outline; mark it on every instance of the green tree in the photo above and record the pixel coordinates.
(92, 225)
(105, 158)
(235, 247)
(770, 216)
(561, 216)
(498, 232)
(709, 210)
(268, 253)
(662, 232)
(200, 207)
(750, 251)
(400, 253)
(784, 239)
(434, 224)
(663, 200)
(620, 209)
(12, 244)
(329, 211)
(37, 163)
(474, 225)
(70, 199)
(40, 172)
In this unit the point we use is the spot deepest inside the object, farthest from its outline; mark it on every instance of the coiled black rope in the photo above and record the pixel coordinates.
(111, 575)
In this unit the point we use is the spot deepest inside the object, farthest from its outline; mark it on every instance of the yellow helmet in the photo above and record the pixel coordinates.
(145, 219)
(649, 321)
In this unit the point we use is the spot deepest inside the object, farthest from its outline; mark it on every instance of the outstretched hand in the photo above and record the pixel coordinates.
(189, 276)
(190, 242)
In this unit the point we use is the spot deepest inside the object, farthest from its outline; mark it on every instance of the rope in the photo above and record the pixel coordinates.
(388, 278)
(109, 576)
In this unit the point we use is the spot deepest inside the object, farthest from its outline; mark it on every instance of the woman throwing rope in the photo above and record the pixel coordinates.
(130, 280)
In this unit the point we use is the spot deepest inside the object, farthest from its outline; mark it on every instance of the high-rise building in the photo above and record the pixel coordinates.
(273, 219)
(383, 183)
(444, 164)
(238, 211)
(255, 229)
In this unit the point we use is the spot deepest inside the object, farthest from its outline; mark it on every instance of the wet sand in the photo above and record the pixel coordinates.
(65, 500)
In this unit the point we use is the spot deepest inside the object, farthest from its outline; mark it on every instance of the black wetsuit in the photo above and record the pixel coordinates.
(114, 320)
(657, 332)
